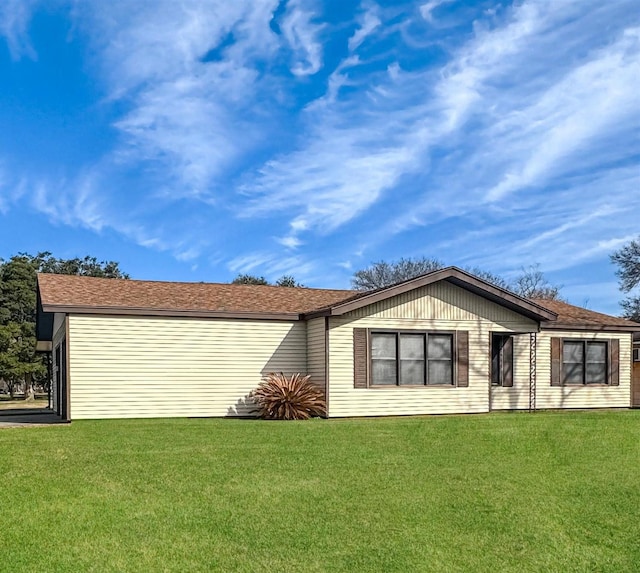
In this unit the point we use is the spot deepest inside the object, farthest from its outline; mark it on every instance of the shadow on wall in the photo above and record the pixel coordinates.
(289, 357)
(243, 408)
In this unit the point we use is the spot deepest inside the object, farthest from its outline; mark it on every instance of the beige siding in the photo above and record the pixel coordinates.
(441, 306)
(316, 351)
(548, 396)
(442, 301)
(134, 367)
(516, 397)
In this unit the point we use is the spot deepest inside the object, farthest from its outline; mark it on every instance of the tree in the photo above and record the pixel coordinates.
(382, 273)
(489, 277)
(628, 261)
(245, 279)
(283, 281)
(533, 284)
(88, 266)
(19, 363)
(288, 281)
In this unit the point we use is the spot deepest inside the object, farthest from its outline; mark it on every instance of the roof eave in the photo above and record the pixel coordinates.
(591, 327)
(167, 312)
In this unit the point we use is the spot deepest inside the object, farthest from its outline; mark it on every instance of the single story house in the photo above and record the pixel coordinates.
(444, 342)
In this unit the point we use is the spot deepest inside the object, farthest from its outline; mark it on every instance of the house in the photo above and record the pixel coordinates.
(444, 342)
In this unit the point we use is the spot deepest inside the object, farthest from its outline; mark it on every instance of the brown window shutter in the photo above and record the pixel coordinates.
(360, 358)
(462, 356)
(507, 362)
(556, 361)
(614, 362)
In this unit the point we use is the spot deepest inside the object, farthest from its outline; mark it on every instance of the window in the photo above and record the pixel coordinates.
(636, 354)
(502, 360)
(584, 362)
(411, 359)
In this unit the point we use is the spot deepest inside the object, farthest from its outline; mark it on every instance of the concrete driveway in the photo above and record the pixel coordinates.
(29, 420)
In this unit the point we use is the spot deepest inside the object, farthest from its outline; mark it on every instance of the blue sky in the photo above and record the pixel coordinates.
(197, 140)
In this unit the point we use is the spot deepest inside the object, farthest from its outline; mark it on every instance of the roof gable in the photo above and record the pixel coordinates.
(453, 275)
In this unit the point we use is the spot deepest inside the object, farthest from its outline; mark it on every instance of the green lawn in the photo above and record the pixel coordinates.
(503, 492)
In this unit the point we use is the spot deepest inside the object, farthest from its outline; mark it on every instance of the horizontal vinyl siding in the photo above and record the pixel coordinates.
(441, 306)
(516, 397)
(316, 351)
(134, 367)
(548, 396)
(442, 301)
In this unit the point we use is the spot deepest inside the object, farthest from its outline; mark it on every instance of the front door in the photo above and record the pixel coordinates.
(635, 385)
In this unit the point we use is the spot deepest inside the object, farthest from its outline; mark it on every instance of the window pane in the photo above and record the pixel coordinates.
(383, 346)
(383, 372)
(572, 373)
(596, 352)
(597, 373)
(440, 346)
(411, 372)
(572, 352)
(440, 372)
(412, 346)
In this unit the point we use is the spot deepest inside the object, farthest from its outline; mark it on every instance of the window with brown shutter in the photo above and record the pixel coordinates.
(580, 362)
(409, 358)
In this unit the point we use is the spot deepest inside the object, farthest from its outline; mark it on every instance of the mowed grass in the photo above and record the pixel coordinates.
(500, 492)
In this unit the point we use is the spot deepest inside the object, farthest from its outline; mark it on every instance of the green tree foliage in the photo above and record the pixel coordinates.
(530, 283)
(283, 281)
(288, 281)
(19, 363)
(245, 279)
(628, 261)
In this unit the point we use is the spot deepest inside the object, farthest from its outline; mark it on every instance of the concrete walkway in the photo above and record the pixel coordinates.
(29, 420)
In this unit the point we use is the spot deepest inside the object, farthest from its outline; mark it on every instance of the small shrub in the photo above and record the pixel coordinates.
(281, 397)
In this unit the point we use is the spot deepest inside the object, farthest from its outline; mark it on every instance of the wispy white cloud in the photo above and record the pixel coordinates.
(191, 108)
(368, 21)
(426, 10)
(272, 265)
(301, 30)
(517, 134)
(15, 17)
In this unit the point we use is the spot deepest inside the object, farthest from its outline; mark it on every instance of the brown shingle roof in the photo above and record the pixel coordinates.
(90, 292)
(577, 316)
(68, 292)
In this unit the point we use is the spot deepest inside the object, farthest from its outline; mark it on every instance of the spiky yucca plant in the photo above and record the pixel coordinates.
(281, 397)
